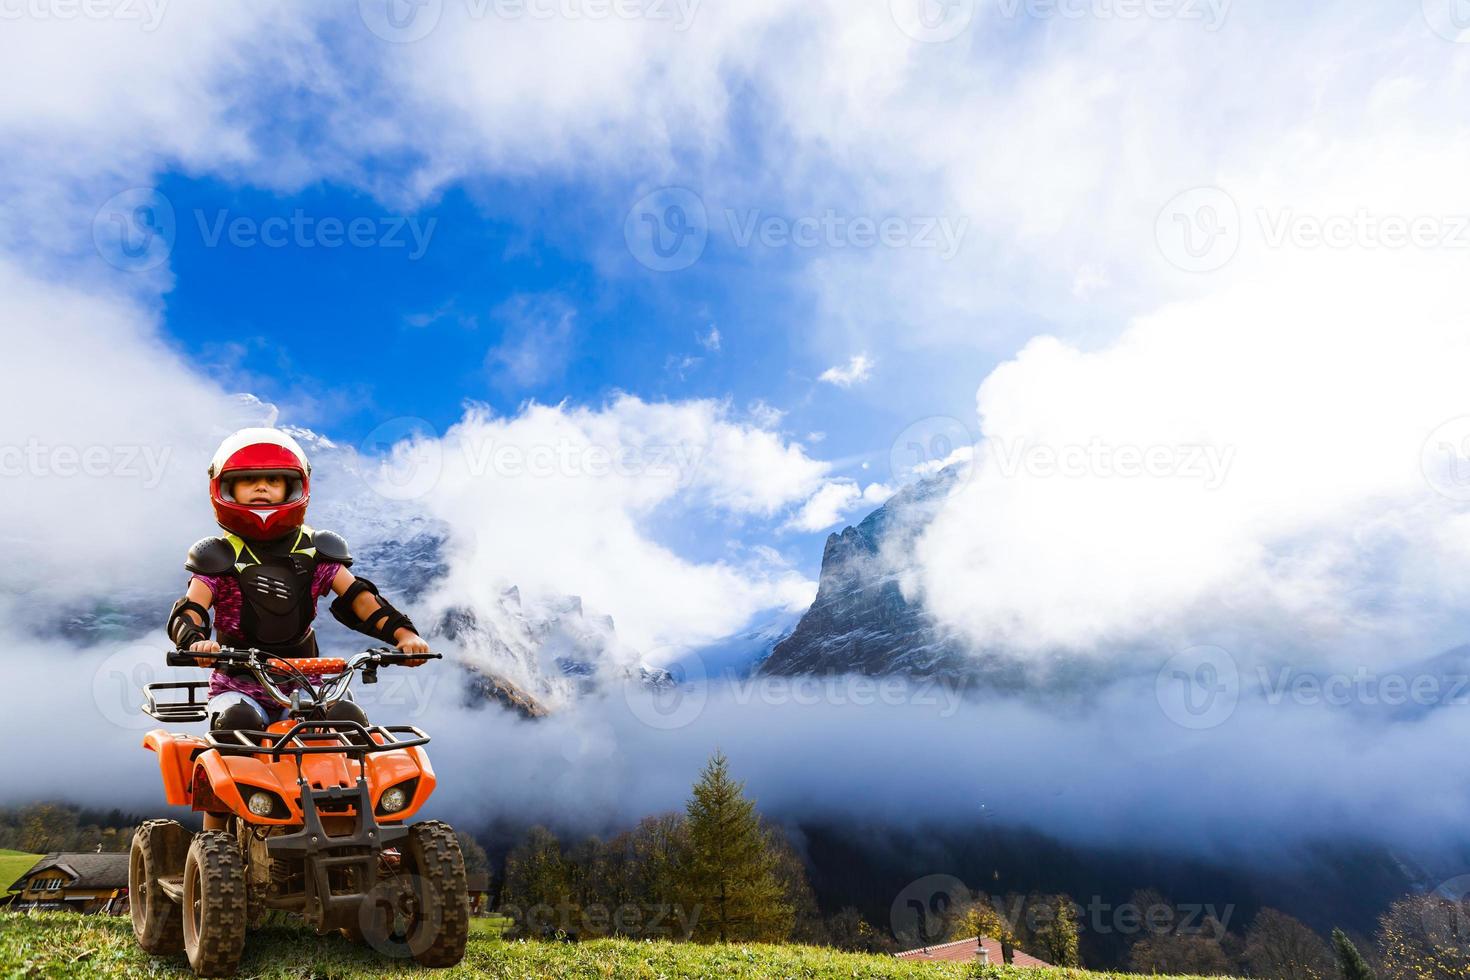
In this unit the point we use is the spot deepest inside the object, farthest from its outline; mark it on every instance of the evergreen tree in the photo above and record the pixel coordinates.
(728, 869)
(1349, 960)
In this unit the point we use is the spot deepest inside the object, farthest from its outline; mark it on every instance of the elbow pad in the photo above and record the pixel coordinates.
(182, 629)
(381, 624)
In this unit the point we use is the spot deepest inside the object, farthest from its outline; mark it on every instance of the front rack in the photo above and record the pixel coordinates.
(342, 736)
(177, 712)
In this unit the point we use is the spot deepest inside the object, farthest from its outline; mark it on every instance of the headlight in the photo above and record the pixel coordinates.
(393, 800)
(261, 804)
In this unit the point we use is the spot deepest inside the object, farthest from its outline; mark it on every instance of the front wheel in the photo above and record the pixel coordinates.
(215, 908)
(423, 911)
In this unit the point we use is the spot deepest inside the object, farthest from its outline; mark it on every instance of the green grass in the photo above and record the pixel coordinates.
(13, 864)
(59, 944)
(489, 925)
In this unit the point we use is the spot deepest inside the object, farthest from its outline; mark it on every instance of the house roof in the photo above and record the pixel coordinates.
(83, 870)
(964, 950)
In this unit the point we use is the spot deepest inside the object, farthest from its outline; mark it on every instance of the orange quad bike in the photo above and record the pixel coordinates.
(317, 815)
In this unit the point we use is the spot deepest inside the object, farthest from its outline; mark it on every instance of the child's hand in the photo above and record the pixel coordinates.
(412, 643)
(203, 646)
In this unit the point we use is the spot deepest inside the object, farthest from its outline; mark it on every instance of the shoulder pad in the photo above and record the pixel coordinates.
(211, 556)
(331, 547)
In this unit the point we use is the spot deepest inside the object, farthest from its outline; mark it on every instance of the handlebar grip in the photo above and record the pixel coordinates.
(398, 656)
(318, 665)
(182, 658)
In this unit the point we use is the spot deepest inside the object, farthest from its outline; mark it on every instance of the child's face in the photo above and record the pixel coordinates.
(259, 489)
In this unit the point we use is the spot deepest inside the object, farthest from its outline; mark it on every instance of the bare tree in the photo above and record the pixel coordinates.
(1280, 947)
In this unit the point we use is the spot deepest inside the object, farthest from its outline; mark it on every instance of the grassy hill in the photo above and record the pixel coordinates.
(58, 944)
(13, 864)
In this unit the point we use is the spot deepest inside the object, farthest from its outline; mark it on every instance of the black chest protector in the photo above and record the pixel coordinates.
(275, 579)
(277, 607)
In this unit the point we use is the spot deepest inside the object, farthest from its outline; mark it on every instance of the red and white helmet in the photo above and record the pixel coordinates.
(260, 452)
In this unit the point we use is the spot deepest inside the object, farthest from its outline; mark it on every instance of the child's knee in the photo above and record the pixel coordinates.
(347, 711)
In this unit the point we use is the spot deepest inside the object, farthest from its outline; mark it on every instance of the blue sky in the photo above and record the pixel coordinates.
(501, 294)
(354, 335)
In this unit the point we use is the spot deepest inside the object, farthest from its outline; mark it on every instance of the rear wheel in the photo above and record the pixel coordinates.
(158, 852)
(215, 907)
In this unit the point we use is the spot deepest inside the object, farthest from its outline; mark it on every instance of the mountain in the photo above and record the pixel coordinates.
(536, 656)
(861, 621)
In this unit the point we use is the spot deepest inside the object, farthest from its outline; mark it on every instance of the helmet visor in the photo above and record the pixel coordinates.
(294, 487)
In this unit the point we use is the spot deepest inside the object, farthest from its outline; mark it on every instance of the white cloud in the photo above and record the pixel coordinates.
(711, 340)
(1286, 417)
(765, 415)
(834, 501)
(857, 370)
(105, 434)
(537, 342)
(567, 500)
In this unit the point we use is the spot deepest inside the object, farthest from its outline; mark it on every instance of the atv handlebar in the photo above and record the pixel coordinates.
(267, 667)
(380, 657)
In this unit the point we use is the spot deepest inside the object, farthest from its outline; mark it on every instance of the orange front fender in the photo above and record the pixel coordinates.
(175, 762)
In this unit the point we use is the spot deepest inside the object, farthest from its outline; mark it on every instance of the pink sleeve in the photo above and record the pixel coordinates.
(321, 584)
(210, 582)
